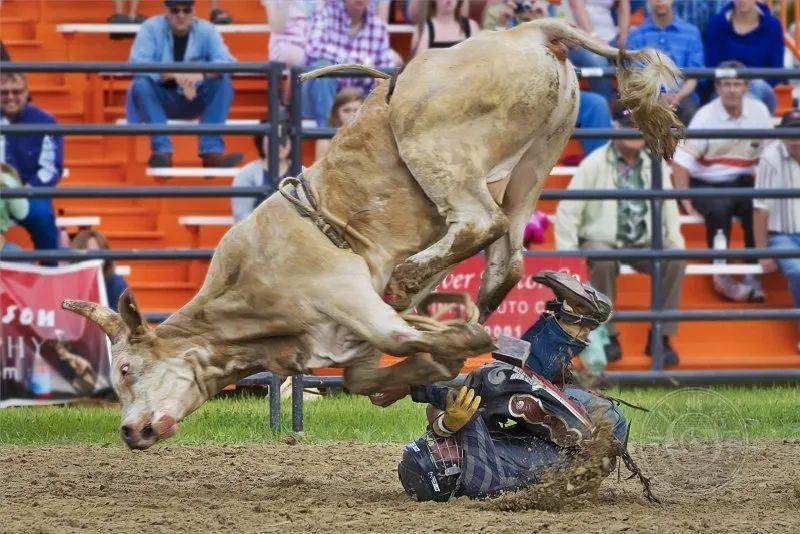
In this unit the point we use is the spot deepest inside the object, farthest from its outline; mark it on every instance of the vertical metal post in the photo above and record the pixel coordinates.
(275, 402)
(657, 244)
(274, 73)
(296, 121)
(297, 403)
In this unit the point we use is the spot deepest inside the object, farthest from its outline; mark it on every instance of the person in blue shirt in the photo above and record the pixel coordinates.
(115, 284)
(681, 41)
(746, 31)
(179, 37)
(38, 159)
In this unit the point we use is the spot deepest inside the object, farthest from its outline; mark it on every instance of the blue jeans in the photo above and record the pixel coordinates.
(583, 58)
(593, 112)
(789, 266)
(148, 101)
(551, 347)
(318, 95)
(763, 91)
(41, 224)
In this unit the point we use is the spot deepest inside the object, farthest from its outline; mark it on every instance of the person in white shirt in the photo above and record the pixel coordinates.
(708, 163)
(776, 221)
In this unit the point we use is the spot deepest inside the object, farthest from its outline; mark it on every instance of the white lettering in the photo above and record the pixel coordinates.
(46, 319)
(9, 316)
(26, 317)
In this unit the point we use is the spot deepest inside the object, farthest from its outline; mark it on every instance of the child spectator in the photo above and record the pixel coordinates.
(177, 36)
(10, 208)
(681, 41)
(444, 26)
(343, 31)
(115, 284)
(38, 159)
(724, 163)
(344, 109)
(256, 174)
(776, 221)
(746, 31)
(595, 17)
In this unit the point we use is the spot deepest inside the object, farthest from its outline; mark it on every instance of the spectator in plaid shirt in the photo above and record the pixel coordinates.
(343, 31)
(470, 449)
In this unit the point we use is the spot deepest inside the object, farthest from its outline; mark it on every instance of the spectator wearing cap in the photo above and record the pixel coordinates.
(343, 31)
(622, 164)
(178, 36)
(38, 159)
(681, 41)
(724, 163)
(776, 221)
(256, 174)
(746, 31)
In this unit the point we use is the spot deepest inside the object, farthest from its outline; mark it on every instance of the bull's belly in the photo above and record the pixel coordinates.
(332, 344)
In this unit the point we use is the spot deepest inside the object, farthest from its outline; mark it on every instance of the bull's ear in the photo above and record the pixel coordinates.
(102, 316)
(131, 314)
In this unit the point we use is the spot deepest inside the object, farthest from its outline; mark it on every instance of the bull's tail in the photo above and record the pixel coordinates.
(640, 76)
(375, 73)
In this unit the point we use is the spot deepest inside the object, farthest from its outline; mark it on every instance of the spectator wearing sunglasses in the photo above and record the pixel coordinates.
(179, 37)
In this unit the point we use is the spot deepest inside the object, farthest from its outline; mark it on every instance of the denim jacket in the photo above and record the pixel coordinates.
(154, 44)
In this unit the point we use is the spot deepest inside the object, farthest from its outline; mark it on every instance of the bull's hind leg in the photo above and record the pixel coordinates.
(366, 377)
(458, 188)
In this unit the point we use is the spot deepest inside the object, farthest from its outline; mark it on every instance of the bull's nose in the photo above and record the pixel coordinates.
(141, 439)
(127, 432)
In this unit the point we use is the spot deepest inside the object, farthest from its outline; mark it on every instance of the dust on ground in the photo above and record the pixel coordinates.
(353, 487)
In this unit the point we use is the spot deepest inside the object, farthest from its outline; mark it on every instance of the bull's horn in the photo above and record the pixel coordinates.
(102, 316)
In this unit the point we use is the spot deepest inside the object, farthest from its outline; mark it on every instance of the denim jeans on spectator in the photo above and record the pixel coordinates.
(552, 348)
(583, 58)
(763, 91)
(148, 101)
(593, 112)
(318, 96)
(41, 224)
(790, 267)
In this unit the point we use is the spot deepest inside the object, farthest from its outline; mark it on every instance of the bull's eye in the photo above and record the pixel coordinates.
(124, 369)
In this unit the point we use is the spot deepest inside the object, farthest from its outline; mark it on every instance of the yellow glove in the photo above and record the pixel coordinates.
(459, 410)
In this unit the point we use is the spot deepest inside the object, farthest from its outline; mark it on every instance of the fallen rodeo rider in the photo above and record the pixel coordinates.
(509, 425)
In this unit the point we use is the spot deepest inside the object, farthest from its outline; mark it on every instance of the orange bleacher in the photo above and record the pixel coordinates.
(29, 31)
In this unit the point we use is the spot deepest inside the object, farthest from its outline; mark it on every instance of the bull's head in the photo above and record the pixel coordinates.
(157, 380)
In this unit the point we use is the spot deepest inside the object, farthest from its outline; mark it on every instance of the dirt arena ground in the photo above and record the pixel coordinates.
(354, 488)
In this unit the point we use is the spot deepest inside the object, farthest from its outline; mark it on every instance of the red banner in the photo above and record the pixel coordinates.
(523, 305)
(47, 354)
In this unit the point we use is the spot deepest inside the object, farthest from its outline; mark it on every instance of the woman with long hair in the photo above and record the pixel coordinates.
(94, 240)
(444, 26)
(347, 103)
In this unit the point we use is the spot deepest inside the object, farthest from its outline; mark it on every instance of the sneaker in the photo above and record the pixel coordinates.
(159, 159)
(580, 303)
(613, 349)
(671, 358)
(218, 16)
(138, 18)
(118, 18)
(221, 160)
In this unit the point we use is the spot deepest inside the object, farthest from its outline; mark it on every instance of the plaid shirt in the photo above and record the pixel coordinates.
(330, 40)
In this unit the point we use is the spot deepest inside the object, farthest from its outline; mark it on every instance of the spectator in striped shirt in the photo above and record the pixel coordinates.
(724, 163)
(38, 159)
(681, 41)
(343, 31)
(776, 221)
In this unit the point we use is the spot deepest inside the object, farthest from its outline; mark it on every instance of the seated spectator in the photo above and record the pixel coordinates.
(595, 17)
(681, 41)
(132, 15)
(38, 159)
(256, 174)
(614, 224)
(415, 9)
(593, 109)
(288, 30)
(776, 221)
(10, 208)
(115, 284)
(746, 31)
(509, 13)
(179, 37)
(724, 163)
(698, 12)
(344, 109)
(343, 31)
(444, 26)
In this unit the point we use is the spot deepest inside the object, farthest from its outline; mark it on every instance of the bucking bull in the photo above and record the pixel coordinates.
(443, 161)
